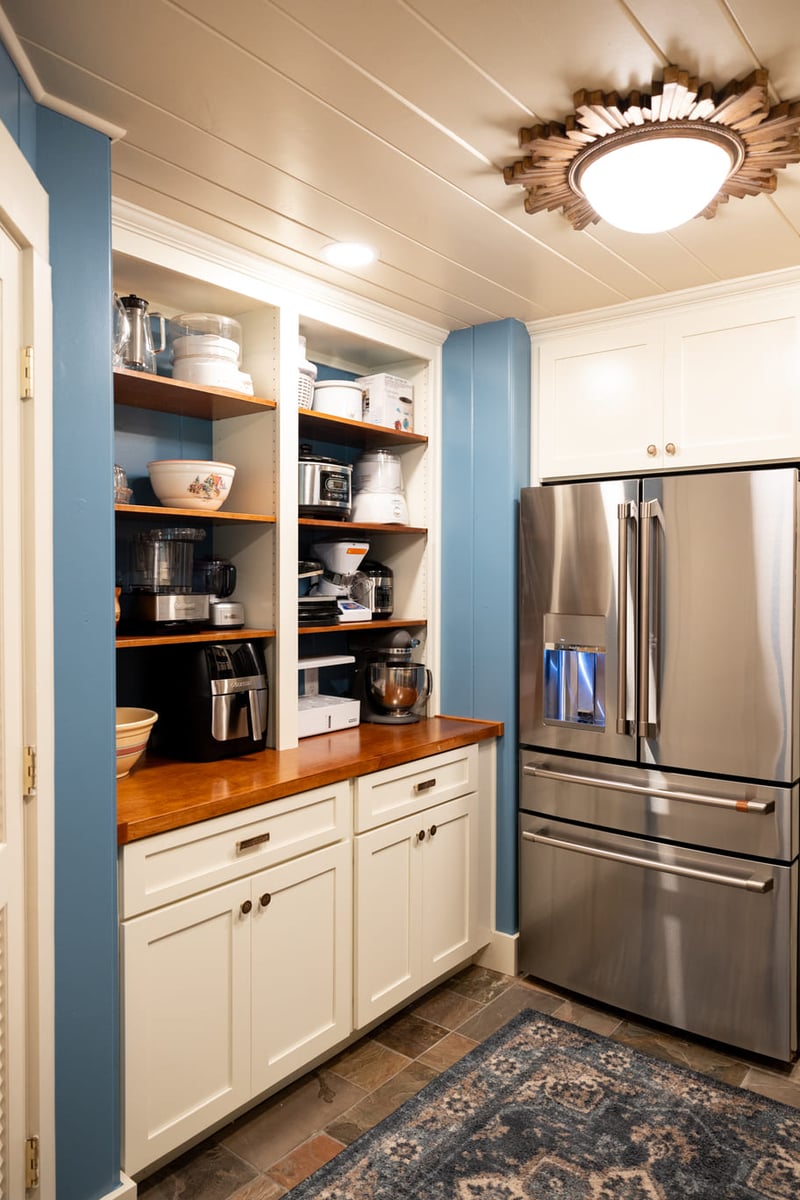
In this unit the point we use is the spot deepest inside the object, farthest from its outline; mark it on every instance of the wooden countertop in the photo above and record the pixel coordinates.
(160, 795)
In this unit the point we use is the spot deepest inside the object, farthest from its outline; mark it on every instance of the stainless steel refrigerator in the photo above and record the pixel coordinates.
(658, 723)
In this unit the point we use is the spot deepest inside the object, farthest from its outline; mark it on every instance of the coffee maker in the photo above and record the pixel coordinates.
(213, 701)
(216, 578)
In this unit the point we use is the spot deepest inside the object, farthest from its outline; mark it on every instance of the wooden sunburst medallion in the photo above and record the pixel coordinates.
(765, 138)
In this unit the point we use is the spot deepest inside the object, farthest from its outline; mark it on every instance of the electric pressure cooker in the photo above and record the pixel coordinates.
(323, 486)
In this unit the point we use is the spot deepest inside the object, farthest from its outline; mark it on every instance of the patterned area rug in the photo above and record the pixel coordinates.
(543, 1110)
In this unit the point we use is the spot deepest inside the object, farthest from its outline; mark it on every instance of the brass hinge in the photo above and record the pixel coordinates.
(29, 771)
(26, 373)
(32, 1162)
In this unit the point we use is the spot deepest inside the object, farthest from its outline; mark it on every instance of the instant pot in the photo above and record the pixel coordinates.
(323, 486)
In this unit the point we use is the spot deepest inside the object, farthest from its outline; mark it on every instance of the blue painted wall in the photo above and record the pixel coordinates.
(485, 461)
(73, 164)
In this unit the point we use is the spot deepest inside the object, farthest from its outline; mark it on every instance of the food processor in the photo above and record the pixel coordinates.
(340, 561)
(388, 684)
(160, 577)
(378, 496)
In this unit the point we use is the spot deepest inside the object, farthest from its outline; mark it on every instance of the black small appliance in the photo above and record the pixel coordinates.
(215, 702)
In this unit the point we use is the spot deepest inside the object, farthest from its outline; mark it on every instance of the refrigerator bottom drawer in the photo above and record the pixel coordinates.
(701, 941)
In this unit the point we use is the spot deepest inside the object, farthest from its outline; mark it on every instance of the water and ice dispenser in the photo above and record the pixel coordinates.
(574, 676)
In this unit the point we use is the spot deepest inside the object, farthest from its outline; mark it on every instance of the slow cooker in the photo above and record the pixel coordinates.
(323, 486)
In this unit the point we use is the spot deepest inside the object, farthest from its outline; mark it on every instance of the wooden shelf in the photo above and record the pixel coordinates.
(342, 432)
(345, 527)
(129, 640)
(346, 626)
(191, 514)
(138, 389)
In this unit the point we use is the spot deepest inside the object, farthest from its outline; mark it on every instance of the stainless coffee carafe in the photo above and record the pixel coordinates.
(134, 344)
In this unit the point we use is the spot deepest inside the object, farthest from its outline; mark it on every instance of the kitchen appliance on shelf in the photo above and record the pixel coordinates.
(373, 587)
(391, 688)
(378, 495)
(213, 701)
(133, 342)
(340, 561)
(323, 486)
(659, 762)
(205, 348)
(216, 578)
(318, 712)
(160, 578)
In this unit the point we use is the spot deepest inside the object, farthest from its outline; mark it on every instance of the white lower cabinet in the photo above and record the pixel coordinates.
(416, 883)
(230, 990)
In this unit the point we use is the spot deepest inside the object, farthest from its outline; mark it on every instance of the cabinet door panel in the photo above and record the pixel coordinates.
(389, 907)
(450, 891)
(301, 961)
(731, 384)
(599, 402)
(186, 986)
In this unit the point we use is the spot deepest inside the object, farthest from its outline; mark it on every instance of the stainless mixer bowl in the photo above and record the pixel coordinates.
(397, 688)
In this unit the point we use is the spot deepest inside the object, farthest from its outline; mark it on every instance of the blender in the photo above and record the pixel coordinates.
(340, 561)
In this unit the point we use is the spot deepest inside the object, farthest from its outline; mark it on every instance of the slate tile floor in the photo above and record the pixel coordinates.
(263, 1154)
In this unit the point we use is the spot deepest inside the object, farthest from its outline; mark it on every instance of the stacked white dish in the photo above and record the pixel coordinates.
(206, 348)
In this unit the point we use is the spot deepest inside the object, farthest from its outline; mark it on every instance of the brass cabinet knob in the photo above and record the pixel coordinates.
(652, 450)
(421, 835)
(264, 900)
(432, 831)
(246, 907)
(671, 448)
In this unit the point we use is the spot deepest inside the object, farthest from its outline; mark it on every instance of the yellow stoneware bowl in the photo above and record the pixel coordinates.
(133, 733)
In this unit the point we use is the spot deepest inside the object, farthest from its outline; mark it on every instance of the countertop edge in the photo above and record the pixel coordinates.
(433, 736)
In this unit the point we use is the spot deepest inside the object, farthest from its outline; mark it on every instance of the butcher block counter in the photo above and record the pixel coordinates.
(159, 796)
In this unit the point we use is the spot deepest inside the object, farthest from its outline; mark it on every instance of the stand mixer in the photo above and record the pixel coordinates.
(390, 687)
(340, 561)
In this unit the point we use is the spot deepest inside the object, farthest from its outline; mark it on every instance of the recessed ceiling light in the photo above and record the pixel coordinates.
(349, 254)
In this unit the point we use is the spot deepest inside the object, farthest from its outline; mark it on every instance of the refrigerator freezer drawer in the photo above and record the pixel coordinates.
(700, 941)
(720, 814)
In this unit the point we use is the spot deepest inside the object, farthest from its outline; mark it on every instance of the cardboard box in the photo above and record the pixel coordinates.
(387, 400)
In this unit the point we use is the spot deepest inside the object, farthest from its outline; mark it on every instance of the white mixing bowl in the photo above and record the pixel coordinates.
(191, 482)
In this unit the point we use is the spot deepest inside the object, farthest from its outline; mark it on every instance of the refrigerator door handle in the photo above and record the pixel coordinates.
(748, 883)
(650, 511)
(742, 806)
(625, 513)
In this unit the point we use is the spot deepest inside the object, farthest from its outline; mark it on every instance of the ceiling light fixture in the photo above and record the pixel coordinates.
(349, 254)
(647, 163)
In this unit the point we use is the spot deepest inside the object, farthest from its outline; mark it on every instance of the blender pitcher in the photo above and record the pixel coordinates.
(136, 349)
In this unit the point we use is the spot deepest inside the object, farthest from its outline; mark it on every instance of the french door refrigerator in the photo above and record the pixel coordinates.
(658, 721)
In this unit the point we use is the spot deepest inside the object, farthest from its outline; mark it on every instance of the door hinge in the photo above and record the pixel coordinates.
(26, 373)
(29, 770)
(32, 1162)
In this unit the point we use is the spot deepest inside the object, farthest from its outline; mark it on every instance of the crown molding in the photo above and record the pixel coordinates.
(258, 276)
(32, 82)
(730, 289)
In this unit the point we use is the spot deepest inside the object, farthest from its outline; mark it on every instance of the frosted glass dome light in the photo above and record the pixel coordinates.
(655, 178)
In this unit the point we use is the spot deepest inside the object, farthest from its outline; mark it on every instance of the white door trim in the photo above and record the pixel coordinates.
(24, 215)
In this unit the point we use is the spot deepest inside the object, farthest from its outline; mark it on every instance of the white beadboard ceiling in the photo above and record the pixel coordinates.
(281, 125)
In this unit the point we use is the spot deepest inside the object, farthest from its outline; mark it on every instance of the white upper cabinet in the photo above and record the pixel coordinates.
(712, 381)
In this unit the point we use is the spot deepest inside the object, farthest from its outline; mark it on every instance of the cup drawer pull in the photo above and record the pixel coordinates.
(246, 843)
(425, 785)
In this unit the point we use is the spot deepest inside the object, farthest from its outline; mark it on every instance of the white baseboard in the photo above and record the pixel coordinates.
(500, 954)
(126, 1190)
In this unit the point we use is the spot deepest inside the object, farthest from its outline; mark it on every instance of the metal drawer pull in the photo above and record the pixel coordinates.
(265, 899)
(432, 831)
(753, 806)
(421, 835)
(246, 907)
(748, 885)
(257, 840)
(427, 783)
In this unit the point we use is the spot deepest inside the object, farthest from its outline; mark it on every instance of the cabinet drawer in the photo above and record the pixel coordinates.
(399, 791)
(170, 866)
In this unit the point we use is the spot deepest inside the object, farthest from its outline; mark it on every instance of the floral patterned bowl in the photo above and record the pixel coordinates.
(191, 482)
